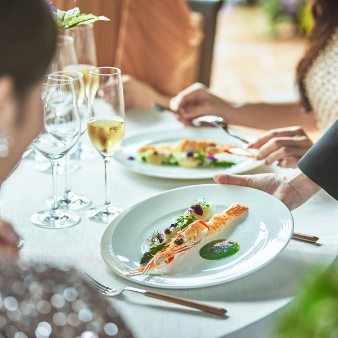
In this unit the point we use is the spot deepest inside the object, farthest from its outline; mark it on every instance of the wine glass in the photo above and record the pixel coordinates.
(65, 54)
(105, 127)
(71, 200)
(85, 48)
(84, 43)
(62, 128)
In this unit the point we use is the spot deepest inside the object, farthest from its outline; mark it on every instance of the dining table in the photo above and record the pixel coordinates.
(254, 302)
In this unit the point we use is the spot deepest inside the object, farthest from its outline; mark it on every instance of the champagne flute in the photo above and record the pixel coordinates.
(65, 55)
(71, 200)
(62, 128)
(85, 48)
(84, 43)
(105, 128)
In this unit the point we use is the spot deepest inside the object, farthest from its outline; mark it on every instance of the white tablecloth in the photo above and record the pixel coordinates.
(248, 299)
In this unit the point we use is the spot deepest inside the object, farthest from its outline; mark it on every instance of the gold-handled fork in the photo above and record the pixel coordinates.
(112, 292)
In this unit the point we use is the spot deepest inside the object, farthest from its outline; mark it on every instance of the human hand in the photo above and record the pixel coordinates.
(293, 190)
(196, 101)
(8, 240)
(284, 145)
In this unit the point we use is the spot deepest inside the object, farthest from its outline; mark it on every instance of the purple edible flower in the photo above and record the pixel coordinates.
(212, 158)
(291, 6)
(198, 209)
(131, 158)
(159, 237)
(189, 211)
(174, 225)
(53, 8)
(190, 153)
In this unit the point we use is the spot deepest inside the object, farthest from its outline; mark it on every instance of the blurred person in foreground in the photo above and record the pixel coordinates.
(37, 300)
(154, 43)
(317, 78)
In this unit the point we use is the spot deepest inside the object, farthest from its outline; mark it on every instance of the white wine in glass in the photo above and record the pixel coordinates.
(105, 127)
(84, 69)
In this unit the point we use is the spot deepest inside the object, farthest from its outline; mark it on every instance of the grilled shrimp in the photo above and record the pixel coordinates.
(191, 236)
(183, 241)
(218, 221)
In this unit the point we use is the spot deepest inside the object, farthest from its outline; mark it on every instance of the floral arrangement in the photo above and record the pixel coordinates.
(295, 13)
(73, 17)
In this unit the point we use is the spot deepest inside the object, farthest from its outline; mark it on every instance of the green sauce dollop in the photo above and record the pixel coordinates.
(218, 249)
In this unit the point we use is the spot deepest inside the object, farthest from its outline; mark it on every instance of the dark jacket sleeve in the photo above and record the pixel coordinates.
(320, 163)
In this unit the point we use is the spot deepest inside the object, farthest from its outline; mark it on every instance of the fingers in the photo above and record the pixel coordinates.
(278, 148)
(243, 180)
(264, 182)
(277, 133)
(187, 97)
(289, 162)
(7, 233)
(8, 240)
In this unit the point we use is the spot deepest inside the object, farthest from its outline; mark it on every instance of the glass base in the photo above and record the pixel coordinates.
(83, 152)
(60, 220)
(72, 202)
(102, 214)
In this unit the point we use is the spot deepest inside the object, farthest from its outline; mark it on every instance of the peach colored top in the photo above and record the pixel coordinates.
(151, 40)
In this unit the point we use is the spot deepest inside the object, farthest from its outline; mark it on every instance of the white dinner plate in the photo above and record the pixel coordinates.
(131, 144)
(262, 235)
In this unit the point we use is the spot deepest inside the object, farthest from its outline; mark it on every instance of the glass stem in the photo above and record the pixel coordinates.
(55, 198)
(67, 178)
(107, 192)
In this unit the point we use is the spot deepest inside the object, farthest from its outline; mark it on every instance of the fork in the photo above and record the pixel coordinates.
(112, 292)
(218, 122)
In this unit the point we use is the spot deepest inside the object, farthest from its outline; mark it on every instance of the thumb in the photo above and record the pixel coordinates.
(231, 179)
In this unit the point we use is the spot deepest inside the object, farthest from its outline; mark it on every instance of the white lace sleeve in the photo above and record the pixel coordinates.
(321, 84)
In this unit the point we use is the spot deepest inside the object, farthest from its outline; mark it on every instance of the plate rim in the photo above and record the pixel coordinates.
(107, 234)
(206, 175)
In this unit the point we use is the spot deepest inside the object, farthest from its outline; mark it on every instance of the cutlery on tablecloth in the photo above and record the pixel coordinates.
(111, 292)
(306, 238)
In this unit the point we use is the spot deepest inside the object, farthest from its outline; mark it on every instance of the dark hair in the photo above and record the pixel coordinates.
(325, 13)
(27, 41)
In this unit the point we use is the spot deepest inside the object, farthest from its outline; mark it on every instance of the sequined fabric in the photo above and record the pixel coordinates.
(43, 301)
(321, 84)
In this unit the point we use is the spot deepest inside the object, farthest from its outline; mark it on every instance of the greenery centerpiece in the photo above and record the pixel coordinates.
(73, 17)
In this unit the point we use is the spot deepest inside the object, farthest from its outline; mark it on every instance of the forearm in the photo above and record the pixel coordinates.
(268, 116)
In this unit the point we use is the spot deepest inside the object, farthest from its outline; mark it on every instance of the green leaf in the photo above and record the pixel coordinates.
(74, 17)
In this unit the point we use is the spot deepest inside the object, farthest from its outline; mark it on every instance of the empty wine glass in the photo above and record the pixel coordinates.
(71, 200)
(62, 128)
(105, 127)
(65, 55)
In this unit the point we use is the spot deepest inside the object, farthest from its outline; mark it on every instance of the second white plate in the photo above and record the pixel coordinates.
(131, 144)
